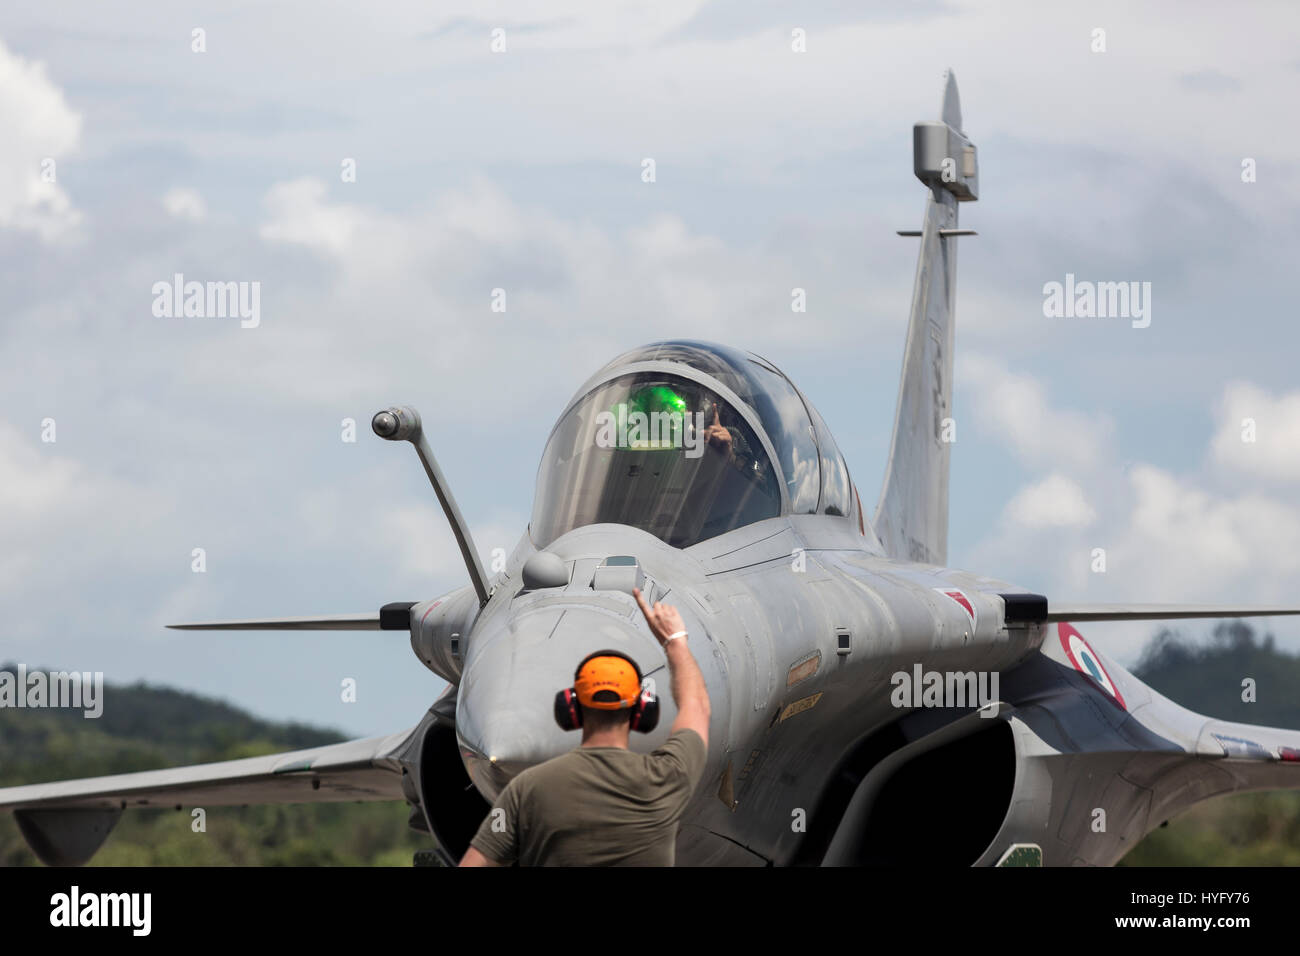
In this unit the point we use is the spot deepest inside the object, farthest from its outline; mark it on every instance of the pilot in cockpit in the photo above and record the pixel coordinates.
(657, 452)
(728, 441)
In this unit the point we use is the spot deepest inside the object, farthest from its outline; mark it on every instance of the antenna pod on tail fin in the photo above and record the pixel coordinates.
(912, 515)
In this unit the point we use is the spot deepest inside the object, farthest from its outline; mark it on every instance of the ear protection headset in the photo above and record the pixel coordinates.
(607, 680)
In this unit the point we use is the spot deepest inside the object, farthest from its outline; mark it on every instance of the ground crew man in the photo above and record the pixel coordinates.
(601, 804)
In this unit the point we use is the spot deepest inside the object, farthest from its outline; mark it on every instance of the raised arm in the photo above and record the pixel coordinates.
(689, 691)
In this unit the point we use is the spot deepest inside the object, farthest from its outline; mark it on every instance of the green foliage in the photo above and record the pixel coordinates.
(147, 728)
(1253, 829)
(1208, 678)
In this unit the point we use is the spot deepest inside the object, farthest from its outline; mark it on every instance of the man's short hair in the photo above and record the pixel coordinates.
(598, 720)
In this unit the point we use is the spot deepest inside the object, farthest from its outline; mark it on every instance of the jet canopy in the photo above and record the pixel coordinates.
(687, 440)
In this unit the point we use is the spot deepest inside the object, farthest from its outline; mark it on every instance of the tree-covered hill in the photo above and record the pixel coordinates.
(147, 728)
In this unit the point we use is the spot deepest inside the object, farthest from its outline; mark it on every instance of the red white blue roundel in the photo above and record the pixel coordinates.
(1086, 661)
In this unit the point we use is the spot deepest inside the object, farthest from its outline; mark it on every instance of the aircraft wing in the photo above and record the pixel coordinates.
(66, 821)
(355, 770)
(325, 622)
(1159, 612)
(1102, 758)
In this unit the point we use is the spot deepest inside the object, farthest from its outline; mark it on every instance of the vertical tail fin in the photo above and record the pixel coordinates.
(912, 515)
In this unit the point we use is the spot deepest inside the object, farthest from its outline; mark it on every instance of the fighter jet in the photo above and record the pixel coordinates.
(869, 705)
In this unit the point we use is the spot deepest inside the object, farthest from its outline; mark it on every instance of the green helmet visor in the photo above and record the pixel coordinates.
(658, 415)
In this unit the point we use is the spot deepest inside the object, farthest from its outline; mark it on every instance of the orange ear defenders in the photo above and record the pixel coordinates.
(607, 680)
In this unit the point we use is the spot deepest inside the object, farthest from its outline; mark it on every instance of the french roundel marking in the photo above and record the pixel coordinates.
(1086, 661)
(965, 602)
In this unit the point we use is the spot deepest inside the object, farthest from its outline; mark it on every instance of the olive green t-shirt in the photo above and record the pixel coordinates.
(596, 806)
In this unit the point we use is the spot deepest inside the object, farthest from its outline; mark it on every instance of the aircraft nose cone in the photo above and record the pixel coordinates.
(505, 708)
(513, 742)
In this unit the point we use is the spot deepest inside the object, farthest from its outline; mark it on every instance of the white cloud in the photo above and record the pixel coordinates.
(576, 293)
(1186, 538)
(185, 204)
(53, 499)
(1054, 502)
(300, 214)
(1166, 536)
(1275, 451)
(1014, 407)
(408, 540)
(40, 130)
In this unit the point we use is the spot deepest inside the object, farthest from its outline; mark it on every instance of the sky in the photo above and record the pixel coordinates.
(377, 172)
